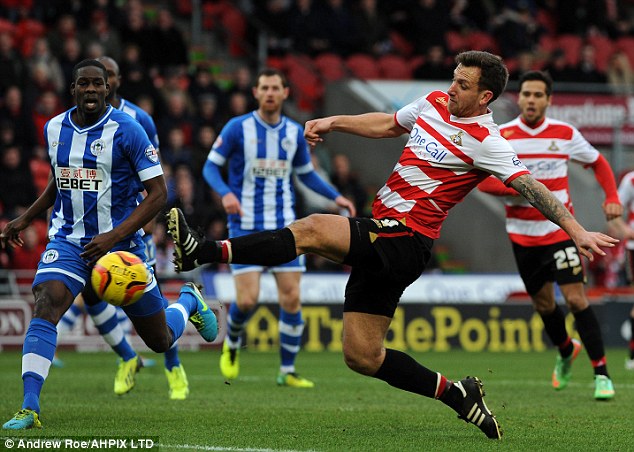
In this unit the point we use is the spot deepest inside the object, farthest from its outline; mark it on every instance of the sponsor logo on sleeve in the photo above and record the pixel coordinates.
(151, 154)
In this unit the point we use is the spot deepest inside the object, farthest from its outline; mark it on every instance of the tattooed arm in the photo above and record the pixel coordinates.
(543, 200)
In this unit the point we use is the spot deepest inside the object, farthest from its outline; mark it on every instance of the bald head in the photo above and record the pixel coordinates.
(114, 78)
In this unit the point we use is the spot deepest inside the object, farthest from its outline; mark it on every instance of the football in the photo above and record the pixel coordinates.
(119, 278)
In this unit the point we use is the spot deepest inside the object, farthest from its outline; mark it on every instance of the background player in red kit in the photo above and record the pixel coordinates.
(544, 253)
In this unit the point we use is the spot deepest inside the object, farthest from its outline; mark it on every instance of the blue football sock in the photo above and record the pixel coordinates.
(177, 314)
(124, 321)
(105, 317)
(236, 322)
(171, 357)
(37, 354)
(291, 327)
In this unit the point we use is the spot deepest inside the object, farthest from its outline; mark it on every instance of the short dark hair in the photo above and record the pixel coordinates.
(270, 72)
(542, 76)
(89, 63)
(494, 74)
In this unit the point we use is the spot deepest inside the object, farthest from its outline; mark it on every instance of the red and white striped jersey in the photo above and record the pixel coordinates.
(443, 160)
(626, 195)
(546, 150)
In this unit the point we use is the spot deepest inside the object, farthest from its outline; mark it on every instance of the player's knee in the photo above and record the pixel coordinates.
(361, 360)
(544, 306)
(308, 229)
(577, 303)
(247, 304)
(158, 343)
(289, 301)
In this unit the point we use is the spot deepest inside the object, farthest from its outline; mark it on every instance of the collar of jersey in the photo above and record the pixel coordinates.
(93, 126)
(488, 116)
(266, 124)
(530, 130)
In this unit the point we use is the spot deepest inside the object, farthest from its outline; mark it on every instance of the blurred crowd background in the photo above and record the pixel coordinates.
(191, 63)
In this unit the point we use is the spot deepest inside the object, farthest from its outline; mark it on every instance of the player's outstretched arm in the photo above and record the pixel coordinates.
(369, 125)
(543, 200)
(144, 212)
(11, 232)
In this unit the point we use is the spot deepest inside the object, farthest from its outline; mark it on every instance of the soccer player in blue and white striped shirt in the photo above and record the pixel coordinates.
(262, 150)
(100, 159)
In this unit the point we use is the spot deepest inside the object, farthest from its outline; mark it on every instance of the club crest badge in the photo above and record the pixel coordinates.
(49, 256)
(98, 147)
(287, 144)
(553, 146)
(456, 138)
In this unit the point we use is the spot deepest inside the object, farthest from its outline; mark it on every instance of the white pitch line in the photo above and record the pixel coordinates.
(224, 449)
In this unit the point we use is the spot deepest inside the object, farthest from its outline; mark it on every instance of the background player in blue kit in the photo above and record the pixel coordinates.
(100, 159)
(262, 150)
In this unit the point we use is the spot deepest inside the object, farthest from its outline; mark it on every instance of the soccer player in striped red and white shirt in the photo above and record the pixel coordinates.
(626, 194)
(453, 145)
(545, 254)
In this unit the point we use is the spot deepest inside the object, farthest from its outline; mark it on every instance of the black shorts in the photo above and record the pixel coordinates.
(559, 262)
(386, 256)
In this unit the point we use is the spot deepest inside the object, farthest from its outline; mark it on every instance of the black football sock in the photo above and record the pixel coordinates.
(555, 326)
(210, 251)
(590, 333)
(264, 248)
(402, 371)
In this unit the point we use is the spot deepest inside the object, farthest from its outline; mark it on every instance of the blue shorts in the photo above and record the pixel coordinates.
(296, 265)
(61, 262)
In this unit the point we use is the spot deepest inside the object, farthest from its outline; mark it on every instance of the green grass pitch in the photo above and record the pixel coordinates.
(344, 412)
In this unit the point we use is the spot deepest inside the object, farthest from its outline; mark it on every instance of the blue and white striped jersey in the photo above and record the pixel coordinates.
(261, 159)
(143, 118)
(99, 172)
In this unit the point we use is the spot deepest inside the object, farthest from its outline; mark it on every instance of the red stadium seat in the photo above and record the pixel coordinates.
(363, 66)
(307, 88)
(276, 62)
(330, 66)
(400, 44)
(479, 40)
(626, 45)
(455, 42)
(394, 67)
(604, 49)
(548, 44)
(571, 45)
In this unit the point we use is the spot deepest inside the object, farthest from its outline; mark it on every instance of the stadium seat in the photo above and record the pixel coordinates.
(394, 67)
(6, 26)
(330, 66)
(415, 61)
(363, 66)
(479, 40)
(26, 33)
(455, 42)
(401, 45)
(307, 88)
(605, 48)
(571, 45)
(548, 44)
(276, 62)
(626, 45)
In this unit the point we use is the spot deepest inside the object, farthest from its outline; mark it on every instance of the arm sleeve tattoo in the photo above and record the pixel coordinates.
(541, 198)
